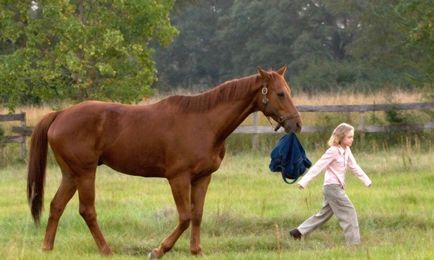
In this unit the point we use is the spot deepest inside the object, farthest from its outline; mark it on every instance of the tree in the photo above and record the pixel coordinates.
(220, 40)
(196, 58)
(417, 20)
(54, 49)
(327, 44)
(259, 33)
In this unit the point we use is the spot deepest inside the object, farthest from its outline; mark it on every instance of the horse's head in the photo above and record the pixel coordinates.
(275, 100)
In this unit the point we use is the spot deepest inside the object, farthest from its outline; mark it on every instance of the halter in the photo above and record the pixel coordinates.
(281, 119)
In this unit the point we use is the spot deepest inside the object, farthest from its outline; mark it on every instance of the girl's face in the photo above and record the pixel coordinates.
(347, 141)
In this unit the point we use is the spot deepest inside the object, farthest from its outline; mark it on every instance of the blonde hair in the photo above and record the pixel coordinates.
(339, 133)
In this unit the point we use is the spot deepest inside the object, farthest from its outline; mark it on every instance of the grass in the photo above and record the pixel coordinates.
(248, 213)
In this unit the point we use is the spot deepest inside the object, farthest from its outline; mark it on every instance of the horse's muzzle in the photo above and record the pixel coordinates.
(291, 125)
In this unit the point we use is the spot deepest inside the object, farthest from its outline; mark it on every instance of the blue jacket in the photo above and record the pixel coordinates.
(289, 158)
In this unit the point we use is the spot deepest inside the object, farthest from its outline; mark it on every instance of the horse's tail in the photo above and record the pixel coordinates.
(37, 165)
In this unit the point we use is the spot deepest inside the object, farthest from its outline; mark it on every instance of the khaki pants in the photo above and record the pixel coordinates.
(335, 202)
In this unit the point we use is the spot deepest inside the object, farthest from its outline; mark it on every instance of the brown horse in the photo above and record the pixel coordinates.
(180, 138)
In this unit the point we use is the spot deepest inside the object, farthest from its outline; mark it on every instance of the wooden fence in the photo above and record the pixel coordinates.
(256, 128)
(22, 131)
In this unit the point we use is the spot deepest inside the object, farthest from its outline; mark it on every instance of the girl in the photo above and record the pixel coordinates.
(335, 161)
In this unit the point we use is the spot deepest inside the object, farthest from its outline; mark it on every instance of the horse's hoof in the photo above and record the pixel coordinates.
(106, 252)
(47, 248)
(153, 255)
(198, 252)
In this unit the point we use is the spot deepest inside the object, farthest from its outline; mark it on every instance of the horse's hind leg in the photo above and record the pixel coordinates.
(86, 194)
(65, 192)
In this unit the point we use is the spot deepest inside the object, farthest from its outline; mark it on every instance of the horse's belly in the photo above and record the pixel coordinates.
(134, 163)
(145, 171)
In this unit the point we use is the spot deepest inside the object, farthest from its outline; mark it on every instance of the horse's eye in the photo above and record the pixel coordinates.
(281, 94)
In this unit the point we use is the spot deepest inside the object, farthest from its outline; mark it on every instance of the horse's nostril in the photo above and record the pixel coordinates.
(298, 124)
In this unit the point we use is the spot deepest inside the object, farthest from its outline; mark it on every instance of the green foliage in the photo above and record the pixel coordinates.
(56, 50)
(418, 26)
(79, 49)
(394, 117)
(2, 135)
(326, 75)
(195, 57)
(327, 45)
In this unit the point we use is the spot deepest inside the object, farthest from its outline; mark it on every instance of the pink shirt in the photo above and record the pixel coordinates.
(335, 161)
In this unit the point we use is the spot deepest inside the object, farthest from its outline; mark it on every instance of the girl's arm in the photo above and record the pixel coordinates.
(357, 171)
(330, 155)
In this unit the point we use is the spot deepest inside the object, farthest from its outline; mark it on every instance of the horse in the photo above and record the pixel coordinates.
(180, 138)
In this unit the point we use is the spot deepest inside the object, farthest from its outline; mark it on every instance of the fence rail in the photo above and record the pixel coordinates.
(260, 129)
(367, 108)
(13, 117)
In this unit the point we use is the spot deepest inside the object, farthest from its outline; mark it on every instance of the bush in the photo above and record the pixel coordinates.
(331, 75)
(2, 134)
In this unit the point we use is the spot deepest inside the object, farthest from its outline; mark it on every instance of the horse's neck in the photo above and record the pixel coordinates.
(225, 118)
(222, 109)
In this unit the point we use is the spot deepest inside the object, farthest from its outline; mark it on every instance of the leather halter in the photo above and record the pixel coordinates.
(280, 119)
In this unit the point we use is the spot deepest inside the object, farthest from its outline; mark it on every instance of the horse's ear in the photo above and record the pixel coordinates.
(264, 75)
(282, 70)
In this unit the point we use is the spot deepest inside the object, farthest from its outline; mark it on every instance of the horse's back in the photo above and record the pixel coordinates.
(85, 120)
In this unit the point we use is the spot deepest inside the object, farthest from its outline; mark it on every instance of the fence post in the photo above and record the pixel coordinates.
(23, 152)
(255, 138)
(362, 129)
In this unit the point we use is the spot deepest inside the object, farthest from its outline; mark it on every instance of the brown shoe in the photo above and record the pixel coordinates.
(295, 234)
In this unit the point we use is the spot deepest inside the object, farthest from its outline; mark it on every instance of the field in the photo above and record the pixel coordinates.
(248, 213)
(248, 210)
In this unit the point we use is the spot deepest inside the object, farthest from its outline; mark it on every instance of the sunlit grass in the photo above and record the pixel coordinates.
(248, 213)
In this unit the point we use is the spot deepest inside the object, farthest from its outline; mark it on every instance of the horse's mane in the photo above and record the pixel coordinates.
(228, 91)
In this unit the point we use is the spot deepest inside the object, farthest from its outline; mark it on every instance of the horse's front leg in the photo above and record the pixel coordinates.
(198, 192)
(181, 187)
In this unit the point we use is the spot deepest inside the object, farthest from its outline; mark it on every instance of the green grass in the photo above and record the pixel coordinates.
(248, 213)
